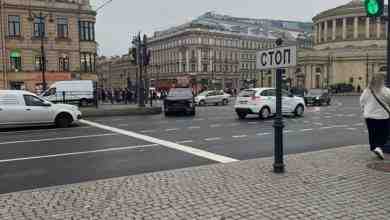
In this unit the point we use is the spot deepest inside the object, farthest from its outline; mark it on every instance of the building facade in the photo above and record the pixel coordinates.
(68, 41)
(348, 47)
(216, 51)
(116, 72)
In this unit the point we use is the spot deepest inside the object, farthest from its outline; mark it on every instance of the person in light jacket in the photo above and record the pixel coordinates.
(376, 116)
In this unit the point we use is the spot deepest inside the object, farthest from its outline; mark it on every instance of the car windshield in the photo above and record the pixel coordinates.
(203, 93)
(180, 93)
(247, 93)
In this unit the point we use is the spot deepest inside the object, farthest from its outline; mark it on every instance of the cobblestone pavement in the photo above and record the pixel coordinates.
(331, 184)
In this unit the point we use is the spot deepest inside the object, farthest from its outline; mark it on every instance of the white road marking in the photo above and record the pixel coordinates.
(324, 128)
(351, 115)
(288, 131)
(263, 134)
(317, 123)
(185, 142)
(148, 131)
(199, 119)
(352, 129)
(78, 153)
(194, 127)
(215, 125)
(190, 150)
(240, 136)
(213, 139)
(123, 125)
(252, 123)
(172, 129)
(307, 129)
(359, 124)
(328, 117)
(58, 138)
(340, 126)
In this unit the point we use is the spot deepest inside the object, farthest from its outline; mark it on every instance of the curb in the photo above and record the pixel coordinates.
(121, 112)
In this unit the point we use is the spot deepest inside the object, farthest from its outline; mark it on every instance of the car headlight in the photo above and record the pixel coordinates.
(317, 98)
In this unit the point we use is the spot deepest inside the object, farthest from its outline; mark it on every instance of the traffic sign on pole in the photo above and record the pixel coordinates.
(280, 57)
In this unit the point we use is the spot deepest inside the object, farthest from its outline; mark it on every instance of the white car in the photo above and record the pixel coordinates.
(25, 108)
(262, 102)
(215, 97)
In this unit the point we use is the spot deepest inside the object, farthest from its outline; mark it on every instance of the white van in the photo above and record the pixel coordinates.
(74, 91)
(19, 107)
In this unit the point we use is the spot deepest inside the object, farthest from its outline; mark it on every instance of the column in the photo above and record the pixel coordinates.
(315, 39)
(334, 29)
(319, 32)
(368, 27)
(187, 60)
(344, 28)
(325, 31)
(211, 54)
(180, 62)
(355, 27)
(199, 60)
(378, 28)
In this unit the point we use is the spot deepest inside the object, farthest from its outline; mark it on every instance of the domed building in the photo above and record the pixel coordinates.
(348, 47)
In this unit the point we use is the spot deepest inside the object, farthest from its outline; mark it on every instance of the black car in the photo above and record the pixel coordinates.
(318, 97)
(180, 100)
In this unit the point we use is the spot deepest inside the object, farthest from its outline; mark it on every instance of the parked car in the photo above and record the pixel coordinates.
(180, 100)
(73, 91)
(262, 102)
(24, 108)
(214, 97)
(318, 97)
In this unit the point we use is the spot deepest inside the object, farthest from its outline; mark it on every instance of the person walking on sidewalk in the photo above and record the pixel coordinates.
(375, 102)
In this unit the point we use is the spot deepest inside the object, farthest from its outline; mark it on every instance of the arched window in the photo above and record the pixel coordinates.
(318, 70)
(383, 69)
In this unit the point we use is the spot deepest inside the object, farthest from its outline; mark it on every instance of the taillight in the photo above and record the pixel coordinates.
(256, 98)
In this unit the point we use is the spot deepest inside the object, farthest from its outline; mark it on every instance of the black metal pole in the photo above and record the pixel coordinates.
(141, 86)
(43, 57)
(278, 121)
(388, 46)
(278, 125)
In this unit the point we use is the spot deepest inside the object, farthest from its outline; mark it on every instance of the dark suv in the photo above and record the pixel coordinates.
(180, 100)
(317, 97)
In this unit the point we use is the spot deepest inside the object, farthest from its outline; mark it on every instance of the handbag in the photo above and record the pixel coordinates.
(380, 102)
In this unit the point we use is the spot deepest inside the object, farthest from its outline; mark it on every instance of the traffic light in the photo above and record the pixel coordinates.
(374, 8)
(133, 56)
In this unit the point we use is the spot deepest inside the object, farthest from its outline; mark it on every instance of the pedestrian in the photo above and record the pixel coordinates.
(111, 95)
(375, 102)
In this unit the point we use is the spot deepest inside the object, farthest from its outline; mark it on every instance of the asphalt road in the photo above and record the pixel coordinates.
(116, 146)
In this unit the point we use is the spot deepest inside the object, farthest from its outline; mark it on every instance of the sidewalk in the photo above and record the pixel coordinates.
(330, 184)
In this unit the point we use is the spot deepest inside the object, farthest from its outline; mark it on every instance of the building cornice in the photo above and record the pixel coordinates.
(49, 9)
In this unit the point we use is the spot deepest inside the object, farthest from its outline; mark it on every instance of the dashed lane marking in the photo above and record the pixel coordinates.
(58, 139)
(240, 136)
(78, 153)
(171, 129)
(288, 131)
(358, 124)
(307, 129)
(213, 139)
(148, 131)
(194, 127)
(252, 123)
(185, 142)
(263, 134)
(324, 128)
(123, 125)
(215, 125)
(183, 148)
(317, 123)
(352, 129)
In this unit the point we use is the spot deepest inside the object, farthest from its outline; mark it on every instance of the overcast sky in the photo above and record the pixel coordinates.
(119, 19)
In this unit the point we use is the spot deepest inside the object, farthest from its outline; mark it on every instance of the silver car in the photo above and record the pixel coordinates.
(214, 97)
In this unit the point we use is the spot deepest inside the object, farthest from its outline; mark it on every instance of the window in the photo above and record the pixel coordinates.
(62, 27)
(87, 62)
(87, 31)
(15, 61)
(205, 67)
(63, 64)
(269, 92)
(39, 27)
(38, 63)
(8, 99)
(33, 101)
(13, 26)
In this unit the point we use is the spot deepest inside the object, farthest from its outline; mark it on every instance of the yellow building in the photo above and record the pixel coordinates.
(348, 47)
(69, 42)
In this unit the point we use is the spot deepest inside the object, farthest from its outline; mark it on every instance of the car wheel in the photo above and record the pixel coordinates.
(299, 110)
(63, 120)
(225, 102)
(264, 113)
(202, 103)
(241, 115)
(83, 102)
